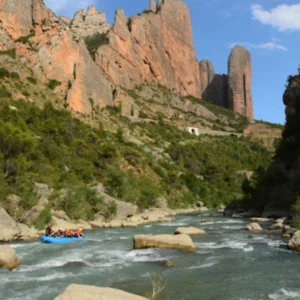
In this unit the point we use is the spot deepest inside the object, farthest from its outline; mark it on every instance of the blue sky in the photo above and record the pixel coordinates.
(268, 28)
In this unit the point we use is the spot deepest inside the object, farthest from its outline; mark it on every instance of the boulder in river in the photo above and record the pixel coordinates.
(189, 231)
(8, 257)
(253, 227)
(85, 292)
(277, 226)
(281, 220)
(294, 243)
(260, 220)
(167, 241)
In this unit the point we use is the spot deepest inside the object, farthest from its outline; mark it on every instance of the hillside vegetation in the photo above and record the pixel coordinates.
(51, 146)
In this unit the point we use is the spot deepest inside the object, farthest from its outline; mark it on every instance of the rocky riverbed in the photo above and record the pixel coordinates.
(229, 265)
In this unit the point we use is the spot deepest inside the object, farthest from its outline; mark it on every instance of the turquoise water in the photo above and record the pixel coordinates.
(229, 266)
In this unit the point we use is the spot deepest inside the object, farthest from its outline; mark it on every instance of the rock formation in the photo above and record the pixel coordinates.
(21, 17)
(8, 257)
(89, 23)
(207, 74)
(179, 242)
(152, 48)
(239, 81)
(231, 91)
(189, 231)
(85, 292)
(153, 6)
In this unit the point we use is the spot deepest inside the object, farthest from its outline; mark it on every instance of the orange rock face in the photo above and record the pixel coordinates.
(20, 17)
(239, 82)
(154, 48)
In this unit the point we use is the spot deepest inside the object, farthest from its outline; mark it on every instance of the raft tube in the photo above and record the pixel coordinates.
(61, 240)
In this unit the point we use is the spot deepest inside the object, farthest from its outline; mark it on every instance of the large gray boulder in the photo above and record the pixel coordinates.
(8, 257)
(294, 243)
(85, 292)
(179, 242)
(124, 209)
(253, 227)
(32, 215)
(9, 230)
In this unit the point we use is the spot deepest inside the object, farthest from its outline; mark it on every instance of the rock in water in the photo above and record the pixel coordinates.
(294, 243)
(239, 82)
(189, 231)
(85, 292)
(8, 257)
(260, 220)
(253, 227)
(179, 242)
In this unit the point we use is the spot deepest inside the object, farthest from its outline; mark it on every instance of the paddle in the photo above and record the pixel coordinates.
(54, 232)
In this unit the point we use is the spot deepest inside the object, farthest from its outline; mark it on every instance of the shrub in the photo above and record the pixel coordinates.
(143, 115)
(95, 41)
(25, 39)
(26, 93)
(10, 52)
(32, 80)
(44, 218)
(4, 93)
(52, 84)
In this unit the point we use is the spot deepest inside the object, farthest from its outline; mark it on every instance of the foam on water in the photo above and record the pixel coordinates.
(285, 294)
(207, 265)
(226, 244)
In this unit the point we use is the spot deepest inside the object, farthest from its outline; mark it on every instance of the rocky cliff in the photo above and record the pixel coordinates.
(46, 44)
(155, 47)
(232, 91)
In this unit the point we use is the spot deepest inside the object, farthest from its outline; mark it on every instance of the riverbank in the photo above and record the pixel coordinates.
(12, 230)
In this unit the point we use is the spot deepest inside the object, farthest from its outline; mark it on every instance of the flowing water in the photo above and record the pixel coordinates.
(229, 266)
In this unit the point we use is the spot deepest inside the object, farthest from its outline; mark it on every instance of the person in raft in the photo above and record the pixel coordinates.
(78, 233)
(49, 230)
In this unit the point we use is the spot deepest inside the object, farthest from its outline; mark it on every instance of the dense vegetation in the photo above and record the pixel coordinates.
(278, 186)
(50, 146)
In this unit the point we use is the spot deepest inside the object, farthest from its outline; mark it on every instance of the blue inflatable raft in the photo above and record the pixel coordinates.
(61, 240)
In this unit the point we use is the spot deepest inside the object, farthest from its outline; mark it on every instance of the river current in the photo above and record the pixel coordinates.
(229, 265)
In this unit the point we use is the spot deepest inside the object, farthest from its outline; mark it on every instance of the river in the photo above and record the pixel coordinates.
(229, 265)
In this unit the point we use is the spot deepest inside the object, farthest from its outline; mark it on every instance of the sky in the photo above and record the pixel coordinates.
(269, 29)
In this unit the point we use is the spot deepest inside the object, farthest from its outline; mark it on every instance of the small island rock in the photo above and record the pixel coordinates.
(166, 241)
(8, 258)
(85, 292)
(253, 227)
(189, 231)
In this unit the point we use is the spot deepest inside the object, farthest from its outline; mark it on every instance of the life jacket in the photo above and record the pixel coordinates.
(69, 232)
(78, 232)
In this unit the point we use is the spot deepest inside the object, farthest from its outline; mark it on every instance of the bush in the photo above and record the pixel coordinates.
(32, 80)
(10, 52)
(44, 218)
(4, 93)
(25, 39)
(95, 41)
(53, 84)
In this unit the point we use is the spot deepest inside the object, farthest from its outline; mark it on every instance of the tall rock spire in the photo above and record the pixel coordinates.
(153, 6)
(239, 82)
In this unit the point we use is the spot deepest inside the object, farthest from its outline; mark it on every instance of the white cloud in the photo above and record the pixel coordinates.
(283, 17)
(273, 45)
